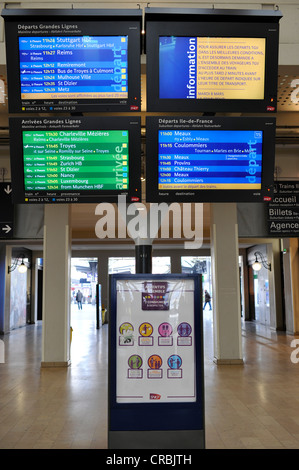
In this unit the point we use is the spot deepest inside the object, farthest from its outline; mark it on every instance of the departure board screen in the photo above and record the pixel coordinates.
(212, 68)
(73, 60)
(66, 67)
(210, 159)
(70, 160)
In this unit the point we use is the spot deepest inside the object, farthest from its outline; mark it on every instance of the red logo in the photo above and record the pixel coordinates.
(135, 199)
(134, 108)
(267, 198)
(270, 108)
(155, 396)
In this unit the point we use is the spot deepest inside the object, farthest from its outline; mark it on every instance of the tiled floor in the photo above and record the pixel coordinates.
(251, 406)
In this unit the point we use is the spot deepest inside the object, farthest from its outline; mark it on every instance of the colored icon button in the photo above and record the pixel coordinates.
(184, 329)
(174, 361)
(145, 329)
(135, 361)
(154, 361)
(165, 329)
(125, 328)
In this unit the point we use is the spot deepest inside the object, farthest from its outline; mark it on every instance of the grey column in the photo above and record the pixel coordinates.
(56, 286)
(226, 284)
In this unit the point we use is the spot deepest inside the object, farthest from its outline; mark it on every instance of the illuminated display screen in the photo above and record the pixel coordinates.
(73, 60)
(211, 60)
(210, 159)
(75, 160)
(73, 67)
(212, 68)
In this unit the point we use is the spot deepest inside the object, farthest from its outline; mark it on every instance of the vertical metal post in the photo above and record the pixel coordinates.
(143, 259)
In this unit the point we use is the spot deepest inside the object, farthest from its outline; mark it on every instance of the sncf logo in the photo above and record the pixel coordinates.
(155, 396)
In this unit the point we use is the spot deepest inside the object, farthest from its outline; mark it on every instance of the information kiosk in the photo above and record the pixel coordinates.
(156, 392)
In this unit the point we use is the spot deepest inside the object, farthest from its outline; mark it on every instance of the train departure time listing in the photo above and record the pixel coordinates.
(73, 67)
(210, 159)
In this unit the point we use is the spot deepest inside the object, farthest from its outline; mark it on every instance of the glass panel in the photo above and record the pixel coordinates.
(200, 265)
(126, 265)
(121, 265)
(161, 265)
(84, 277)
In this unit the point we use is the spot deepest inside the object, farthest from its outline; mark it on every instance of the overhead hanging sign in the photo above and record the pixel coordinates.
(6, 213)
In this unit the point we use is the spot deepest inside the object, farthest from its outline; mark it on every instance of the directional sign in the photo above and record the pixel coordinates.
(283, 210)
(6, 211)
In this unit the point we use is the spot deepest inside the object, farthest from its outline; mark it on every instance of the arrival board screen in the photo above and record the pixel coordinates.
(212, 159)
(66, 67)
(75, 160)
(212, 68)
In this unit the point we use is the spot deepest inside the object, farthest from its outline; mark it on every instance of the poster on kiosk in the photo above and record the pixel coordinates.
(156, 361)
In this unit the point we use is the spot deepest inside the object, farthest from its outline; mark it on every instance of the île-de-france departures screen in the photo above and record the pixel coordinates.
(210, 159)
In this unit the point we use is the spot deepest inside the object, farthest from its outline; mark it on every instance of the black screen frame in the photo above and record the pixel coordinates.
(16, 127)
(213, 23)
(155, 123)
(89, 22)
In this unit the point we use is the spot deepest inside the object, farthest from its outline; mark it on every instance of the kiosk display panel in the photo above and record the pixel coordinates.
(212, 60)
(156, 390)
(73, 60)
(71, 160)
(209, 159)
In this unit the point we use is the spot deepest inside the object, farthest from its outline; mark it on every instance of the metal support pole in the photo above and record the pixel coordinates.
(143, 259)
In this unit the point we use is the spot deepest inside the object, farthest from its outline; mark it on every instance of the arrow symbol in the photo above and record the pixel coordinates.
(6, 229)
(8, 189)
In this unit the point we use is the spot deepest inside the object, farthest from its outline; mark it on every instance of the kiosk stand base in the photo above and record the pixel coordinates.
(156, 439)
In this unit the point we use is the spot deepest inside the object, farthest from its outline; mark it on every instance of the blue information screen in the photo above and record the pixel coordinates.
(82, 67)
(210, 159)
(211, 67)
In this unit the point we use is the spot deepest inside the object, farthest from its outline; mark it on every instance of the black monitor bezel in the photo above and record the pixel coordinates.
(215, 23)
(154, 195)
(16, 127)
(89, 22)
